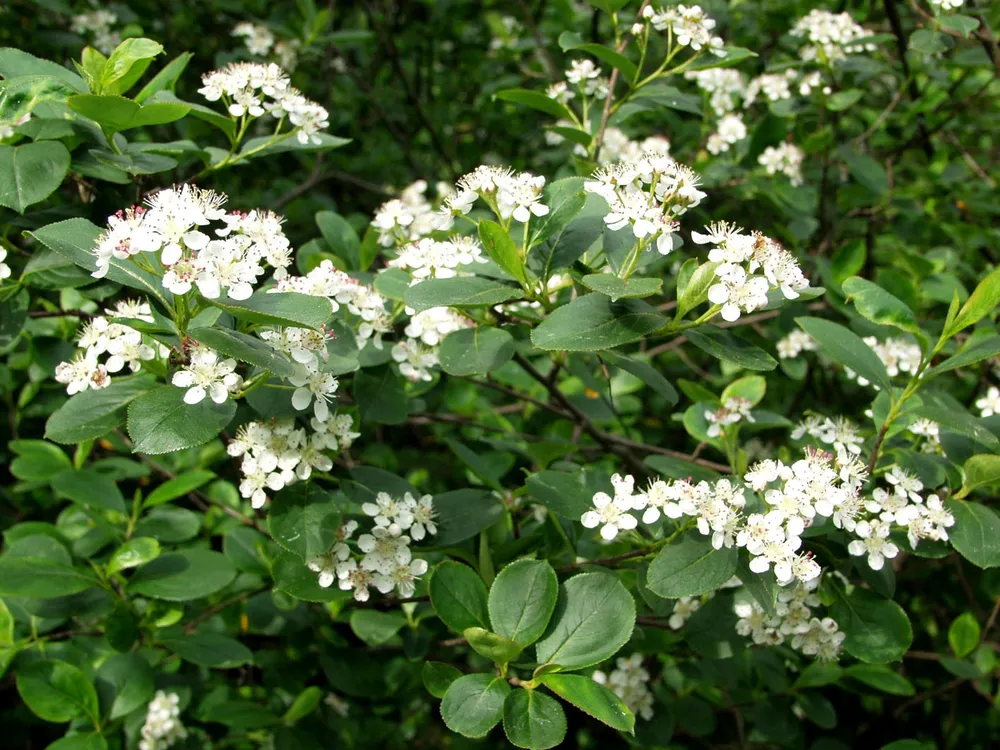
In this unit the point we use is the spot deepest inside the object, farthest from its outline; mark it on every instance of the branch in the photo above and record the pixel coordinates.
(543, 53)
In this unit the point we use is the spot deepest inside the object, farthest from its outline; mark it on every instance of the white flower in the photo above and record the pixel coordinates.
(874, 542)
(738, 292)
(4, 268)
(683, 609)
(423, 516)
(796, 342)
(612, 514)
(989, 404)
(351, 576)
(313, 387)
(384, 550)
(630, 682)
(163, 726)
(402, 576)
(81, 373)
(786, 158)
(205, 374)
(905, 483)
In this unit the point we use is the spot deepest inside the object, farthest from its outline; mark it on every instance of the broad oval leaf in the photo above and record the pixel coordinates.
(846, 347)
(160, 422)
(533, 720)
(183, 576)
(458, 595)
(471, 291)
(879, 306)
(690, 567)
(522, 599)
(57, 691)
(976, 533)
(473, 704)
(31, 172)
(280, 308)
(475, 351)
(594, 322)
(304, 519)
(592, 698)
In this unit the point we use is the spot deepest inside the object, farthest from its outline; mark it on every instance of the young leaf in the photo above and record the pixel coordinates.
(592, 698)
(458, 596)
(879, 306)
(963, 634)
(438, 676)
(501, 248)
(980, 471)
(535, 100)
(594, 617)
(533, 720)
(570, 40)
(133, 553)
(473, 704)
(981, 302)
(522, 600)
(496, 648)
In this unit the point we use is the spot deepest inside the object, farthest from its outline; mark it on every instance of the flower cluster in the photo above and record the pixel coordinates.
(427, 258)
(411, 216)
(587, 78)
(928, 434)
(260, 41)
(830, 37)
(630, 682)
(793, 617)
(897, 354)
(206, 374)
(796, 342)
(689, 25)
(277, 453)
(510, 194)
(253, 89)
(172, 226)
(988, 405)
(839, 433)
(386, 559)
(97, 25)
(731, 411)
(647, 195)
(508, 34)
(163, 726)
(740, 257)
(418, 353)
(723, 85)
(900, 504)
(774, 87)
(946, 5)
(786, 158)
(123, 345)
(729, 130)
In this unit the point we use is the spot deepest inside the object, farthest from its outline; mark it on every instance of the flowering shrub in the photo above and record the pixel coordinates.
(627, 378)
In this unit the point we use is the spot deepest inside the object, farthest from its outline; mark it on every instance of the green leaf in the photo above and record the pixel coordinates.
(466, 291)
(287, 143)
(39, 578)
(963, 634)
(19, 96)
(695, 291)
(973, 351)
(522, 599)
(473, 704)
(183, 576)
(223, 122)
(292, 577)
(535, 100)
(594, 322)
(957, 420)
(90, 488)
(727, 347)
(878, 630)
(304, 519)
(475, 351)
(166, 78)
(592, 698)
(438, 677)
(532, 719)
(564, 493)
(570, 40)
(374, 627)
(243, 347)
(565, 199)
(976, 533)
(573, 240)
(92, 414)
(169, 524)
(690, 567)
(37, 461)
(283, 309)
(112, 113)
(732, 56)
(981, 303)
(881, 678)
(842, 100)
(762, 587)
(868, 172)
(160, 422)
(458, 595)
(496, 648)
(31, 173)
(501, 248)
(75, 238)
(6, 626)
(819, 674)
(127, 64)
(178, 486)
(249, 550)
(57, 691)
(340, 237)
(878, 306)
(648, 374)
(980, 471)
(133, 553)
(750, 388)
(464, 513)
(594, 617)
(209, 650)
(124, 683)
(16, 63)
(846, 347)
(304, 704)
(963, 24)
(615, 288)
(381, 395)
(928, 42)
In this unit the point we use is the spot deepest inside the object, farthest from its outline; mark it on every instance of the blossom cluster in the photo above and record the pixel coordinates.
(725, 87)
(278, 453)
(748, 267)
(122, 345)
(793, 344)
(510, 194)
(207, 374)
(172, 225)
(385, 559)
(410, 216)
(509, 34)
(785, 158)
(163, 726)
(793, 617)
(98, 25)
(260, 41)
(428, 258)
(647, 195)
(629, 680)
(688, 24)
(417, 354)
(730, 412)
(253, 89)
(830, 37)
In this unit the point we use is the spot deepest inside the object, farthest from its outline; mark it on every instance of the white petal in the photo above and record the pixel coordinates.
(194, 395)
